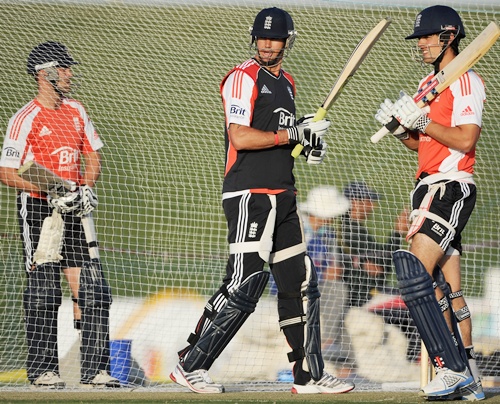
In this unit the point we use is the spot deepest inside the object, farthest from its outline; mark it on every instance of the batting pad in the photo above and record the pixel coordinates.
(51, 240)
(417, 291)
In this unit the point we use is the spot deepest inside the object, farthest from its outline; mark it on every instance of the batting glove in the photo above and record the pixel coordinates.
(386, 114)
(89, 200)
(409, 114)
(306, 131)
(69, 202)
(316, 154)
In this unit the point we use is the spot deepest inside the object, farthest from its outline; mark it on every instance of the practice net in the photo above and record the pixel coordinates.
(150, 73)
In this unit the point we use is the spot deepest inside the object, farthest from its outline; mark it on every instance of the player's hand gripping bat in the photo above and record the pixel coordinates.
(358, 55)
(56, 187)
(450, 73)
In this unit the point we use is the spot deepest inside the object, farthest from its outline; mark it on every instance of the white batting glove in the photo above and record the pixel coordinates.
(306, 131)
(316, 154)
(69, 202)
(89, 200)
(409, 114)
(386, 114)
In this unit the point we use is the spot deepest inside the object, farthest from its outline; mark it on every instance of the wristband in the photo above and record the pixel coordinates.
(422, 123)
(276, 138)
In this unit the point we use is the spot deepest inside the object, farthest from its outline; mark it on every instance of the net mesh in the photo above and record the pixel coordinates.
(150, 74)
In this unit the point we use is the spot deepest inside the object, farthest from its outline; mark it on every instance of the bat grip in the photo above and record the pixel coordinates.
(297, 150)
(384, 130)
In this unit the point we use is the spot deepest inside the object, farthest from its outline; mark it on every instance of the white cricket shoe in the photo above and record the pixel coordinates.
(198, 381)
(446, 382)
(101, 380)
(49, 380)
(472, 392)
(328, 384)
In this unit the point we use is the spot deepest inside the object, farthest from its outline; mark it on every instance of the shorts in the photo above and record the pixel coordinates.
(259, 233)
(31, 214)
(454, 206)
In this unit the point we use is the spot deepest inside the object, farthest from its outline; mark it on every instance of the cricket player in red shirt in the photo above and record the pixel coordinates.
(56, 132)
(444, 134)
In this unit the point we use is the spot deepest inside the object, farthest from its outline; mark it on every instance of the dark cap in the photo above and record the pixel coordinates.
(360, 190)
(49, 54)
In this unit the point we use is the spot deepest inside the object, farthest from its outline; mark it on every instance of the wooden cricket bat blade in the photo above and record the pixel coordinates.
(357, 57)
(45, 179)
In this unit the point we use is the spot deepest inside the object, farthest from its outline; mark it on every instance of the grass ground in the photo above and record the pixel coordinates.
(239, 398)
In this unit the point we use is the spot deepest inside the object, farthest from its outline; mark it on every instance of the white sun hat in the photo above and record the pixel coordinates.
(325, 202)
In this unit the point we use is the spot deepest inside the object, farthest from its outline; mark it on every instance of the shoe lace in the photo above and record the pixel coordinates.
(328, 379)
(205, 376)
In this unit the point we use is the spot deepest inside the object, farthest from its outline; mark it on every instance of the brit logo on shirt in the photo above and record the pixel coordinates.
(76, 122)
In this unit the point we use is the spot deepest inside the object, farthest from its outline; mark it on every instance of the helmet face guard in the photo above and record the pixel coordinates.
(273, 23)
(441, 21)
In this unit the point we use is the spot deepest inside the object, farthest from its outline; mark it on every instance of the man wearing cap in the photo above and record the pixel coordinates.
(264, 229)
(368, 262)
(56, 132)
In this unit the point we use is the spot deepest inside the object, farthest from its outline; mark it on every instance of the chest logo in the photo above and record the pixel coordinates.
(76, 122)
(265, 90)
(45, 132)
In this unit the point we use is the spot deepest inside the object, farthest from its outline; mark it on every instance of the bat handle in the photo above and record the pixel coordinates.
(384, 130)
(379, 135)
(320, 114)
(297, 150)
(90, 235)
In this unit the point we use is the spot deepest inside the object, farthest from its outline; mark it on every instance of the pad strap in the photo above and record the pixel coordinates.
(418, 216)
(296, 354)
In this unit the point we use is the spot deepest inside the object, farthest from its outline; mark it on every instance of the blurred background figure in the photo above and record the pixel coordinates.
(367, 262)
(319, 211)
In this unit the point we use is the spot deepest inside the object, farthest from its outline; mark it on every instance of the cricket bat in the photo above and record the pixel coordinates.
(45, 179)
(450, 73)
(358, 55)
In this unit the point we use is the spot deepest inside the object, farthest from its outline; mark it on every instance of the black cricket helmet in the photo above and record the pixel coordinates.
(49, 54)
(274, 23)
(436, 20)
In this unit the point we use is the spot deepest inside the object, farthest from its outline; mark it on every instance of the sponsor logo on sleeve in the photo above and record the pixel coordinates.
(10, 152)
(236, 110)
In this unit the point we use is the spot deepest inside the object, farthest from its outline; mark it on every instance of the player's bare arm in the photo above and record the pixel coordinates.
(412, 142)
(246, 138)
(462, 138)
(92, 168)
